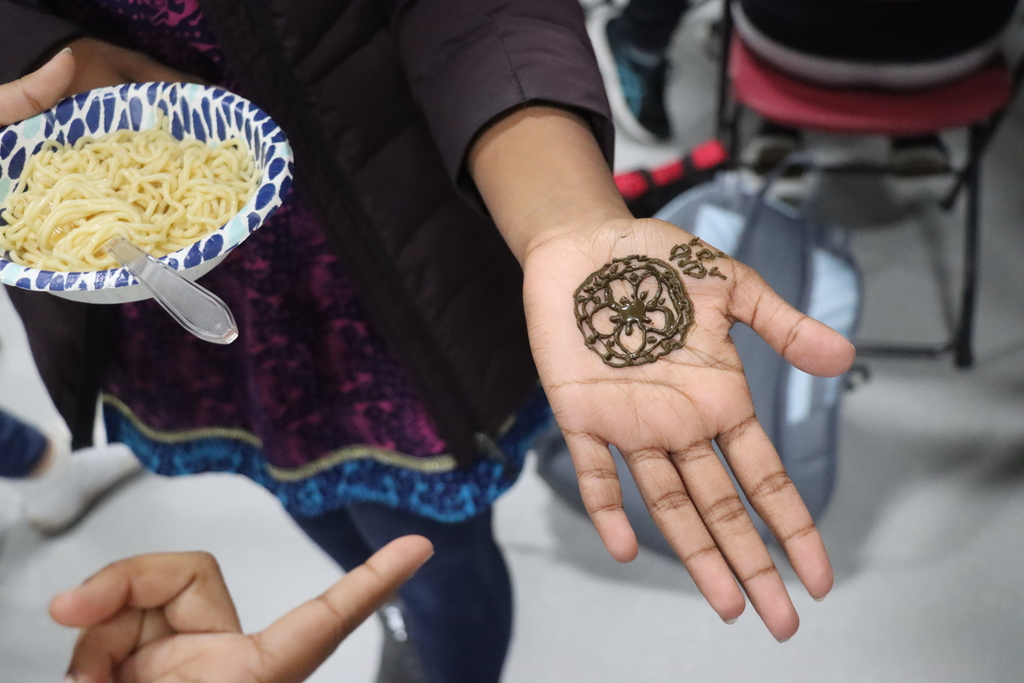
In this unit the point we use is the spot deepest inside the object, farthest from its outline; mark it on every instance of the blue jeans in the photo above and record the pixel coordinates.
(21, 447)
(458, 607)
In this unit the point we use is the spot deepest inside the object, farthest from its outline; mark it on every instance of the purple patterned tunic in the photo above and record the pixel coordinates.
(308, 401)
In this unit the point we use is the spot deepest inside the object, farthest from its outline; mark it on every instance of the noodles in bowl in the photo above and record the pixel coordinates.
(184, 171)
(159, 192)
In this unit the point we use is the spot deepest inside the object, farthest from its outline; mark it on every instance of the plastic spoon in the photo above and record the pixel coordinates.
(197, 309)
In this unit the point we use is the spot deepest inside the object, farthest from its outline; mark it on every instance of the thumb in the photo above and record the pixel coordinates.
(37, 91)
(806, 343)
(297, 643)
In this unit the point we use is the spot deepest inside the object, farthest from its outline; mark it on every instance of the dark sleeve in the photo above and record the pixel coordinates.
(26, 35)
(469, 61)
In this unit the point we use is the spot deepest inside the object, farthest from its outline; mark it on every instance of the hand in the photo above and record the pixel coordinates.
(169, 616)
(38, 91)
(549, 190)
(101, 64)
(664, 415)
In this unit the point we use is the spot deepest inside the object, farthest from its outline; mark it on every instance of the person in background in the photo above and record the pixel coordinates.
(56, 490)
(453, 190)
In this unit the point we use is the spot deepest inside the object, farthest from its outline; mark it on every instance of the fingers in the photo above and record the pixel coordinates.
(602, 496)
(37, 91)
(101, 649)
(760, 473)
(673, 511)
(727, 521)
(188, 586)
(297, 643)
(808, 344)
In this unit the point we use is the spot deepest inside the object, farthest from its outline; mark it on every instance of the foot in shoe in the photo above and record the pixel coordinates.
(634, 80)
(919, 156)
(642, 75)
(399, 659)
(57, 500)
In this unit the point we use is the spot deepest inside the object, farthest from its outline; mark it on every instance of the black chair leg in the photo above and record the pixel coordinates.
(732, 144)
(964, 353)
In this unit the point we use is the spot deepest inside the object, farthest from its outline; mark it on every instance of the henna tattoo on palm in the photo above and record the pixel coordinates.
(691, 258)
(635, 309)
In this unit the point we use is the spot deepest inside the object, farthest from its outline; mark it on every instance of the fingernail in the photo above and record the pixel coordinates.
(70, 679)
(67, 49)
(783, 640)
(821, 599)
(730, 621)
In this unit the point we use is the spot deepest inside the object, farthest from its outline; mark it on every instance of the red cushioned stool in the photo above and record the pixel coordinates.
(976, 102)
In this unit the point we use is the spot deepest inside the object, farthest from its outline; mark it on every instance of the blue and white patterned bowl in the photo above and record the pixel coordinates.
(195, 111)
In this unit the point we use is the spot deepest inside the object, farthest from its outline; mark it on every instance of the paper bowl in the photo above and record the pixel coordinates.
(194, 111)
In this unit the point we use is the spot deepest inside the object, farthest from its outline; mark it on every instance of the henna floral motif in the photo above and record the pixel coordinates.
(691, 259)
(633, 311)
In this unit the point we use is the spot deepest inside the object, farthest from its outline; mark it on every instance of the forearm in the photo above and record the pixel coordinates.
(541, 172)
(468, 61)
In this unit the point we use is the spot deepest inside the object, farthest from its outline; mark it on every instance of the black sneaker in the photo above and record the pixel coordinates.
(634, 80)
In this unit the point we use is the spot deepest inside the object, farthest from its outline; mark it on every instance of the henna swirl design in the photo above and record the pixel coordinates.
(691, 259)
(633, 311)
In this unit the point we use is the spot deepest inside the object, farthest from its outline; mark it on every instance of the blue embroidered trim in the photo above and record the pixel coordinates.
(446, 496)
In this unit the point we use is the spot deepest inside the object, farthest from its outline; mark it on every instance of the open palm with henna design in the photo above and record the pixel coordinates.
(664, 414)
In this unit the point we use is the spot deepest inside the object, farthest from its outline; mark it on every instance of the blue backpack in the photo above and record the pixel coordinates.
(809, 265)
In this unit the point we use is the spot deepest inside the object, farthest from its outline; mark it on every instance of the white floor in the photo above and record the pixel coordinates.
(926, 531)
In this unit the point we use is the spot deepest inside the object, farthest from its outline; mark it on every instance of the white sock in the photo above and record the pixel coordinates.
(58, 499)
